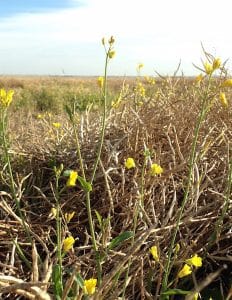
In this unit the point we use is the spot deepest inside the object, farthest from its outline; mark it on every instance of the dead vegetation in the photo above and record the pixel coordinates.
(164, 125)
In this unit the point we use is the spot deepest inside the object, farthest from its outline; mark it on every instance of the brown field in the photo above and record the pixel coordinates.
(162, 120)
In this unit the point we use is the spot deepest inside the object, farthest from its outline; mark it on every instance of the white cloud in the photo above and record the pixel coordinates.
(158, 33)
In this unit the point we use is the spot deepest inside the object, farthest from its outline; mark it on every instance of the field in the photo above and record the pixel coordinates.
(117, 189)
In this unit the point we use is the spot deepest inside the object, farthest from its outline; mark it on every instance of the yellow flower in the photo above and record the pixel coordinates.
(185, 271)
(54, 211)
(154, 252)
(56, 124)
(6, 97)
(90, 286)
(150, 80)
(199, 78)
(156, 169)
(111, 40)
(223, 100)
(195, 261)
(140, 66)
(72, 179)
(177, 248)
(68, 243)
(100, 82)
(195, 296)
(69, 216)
(112, 53)
(208, 68)
(216, 63)
(130, 163)
(140, 89)
(40, 116)
(227, 83)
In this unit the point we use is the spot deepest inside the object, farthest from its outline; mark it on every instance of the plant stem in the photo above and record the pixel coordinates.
(12, 183)
(192, 159)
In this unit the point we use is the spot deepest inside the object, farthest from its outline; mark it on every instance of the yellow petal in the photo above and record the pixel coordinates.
(90, 286)
(195, 261)
(130, 163)
(68, 243)
(72, 179)
(156, 169)
(154, 252)
(185, 271)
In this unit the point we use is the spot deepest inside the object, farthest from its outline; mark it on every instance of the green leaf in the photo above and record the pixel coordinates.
(66, 173)
(176, 292)
(69, 112)
(99, 218)
(87, 187)
(119, 239)
(57, 281)
(79, 280)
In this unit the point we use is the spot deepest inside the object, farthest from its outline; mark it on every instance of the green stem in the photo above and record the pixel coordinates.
(189, 182)
(103, 126)
(79, 151)
(12, 183)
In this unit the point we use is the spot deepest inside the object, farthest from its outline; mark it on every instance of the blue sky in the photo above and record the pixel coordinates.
(14, 7)
(55, 37)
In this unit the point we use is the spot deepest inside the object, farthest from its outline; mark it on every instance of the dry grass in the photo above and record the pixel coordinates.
(164, 125)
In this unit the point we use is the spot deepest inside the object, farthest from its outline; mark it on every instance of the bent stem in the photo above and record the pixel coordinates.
(192, 160)
(12, 183)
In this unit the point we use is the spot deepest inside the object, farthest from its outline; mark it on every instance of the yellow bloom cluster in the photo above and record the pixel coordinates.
(56, 125)
(130, 163)
(150, 80)
(156, 169)
(68, 243)
(100, 82)
(72, 179)
(140, 90)
(90, 286)
(154, 252)
(68, 216)
(223, 100)
(6, 97)
(194, 261)
(211, 67)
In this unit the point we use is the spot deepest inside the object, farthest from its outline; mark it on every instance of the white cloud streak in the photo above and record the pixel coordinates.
(157, 33)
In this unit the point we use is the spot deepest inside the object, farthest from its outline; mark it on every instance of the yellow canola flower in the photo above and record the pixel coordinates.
(130, 163)
(216, 63)
(227, 83)
(6, 97)
(140, 89)
(68, 243)
(40, 116)
(100, 81)
(195, 261)
(208, 68)
(185, 271)
(199, 77)
(156, 169)
(154, 252)
(140, 66)
(195, 296)
(56, 124)
(72, 179)
(69, 216)
(90, 286)
(223, 100)
(111, 41)
(112, 54)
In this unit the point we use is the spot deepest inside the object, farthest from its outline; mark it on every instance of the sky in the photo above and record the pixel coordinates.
(63, 37)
